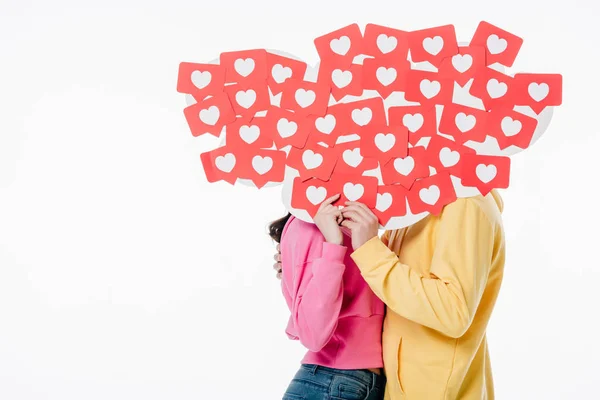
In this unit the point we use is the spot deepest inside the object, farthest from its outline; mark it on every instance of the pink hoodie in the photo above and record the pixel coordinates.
(334, 312)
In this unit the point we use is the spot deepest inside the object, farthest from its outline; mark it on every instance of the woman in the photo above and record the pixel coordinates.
(334, 313)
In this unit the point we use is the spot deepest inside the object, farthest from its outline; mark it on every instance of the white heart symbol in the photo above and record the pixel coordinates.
(386, 76)
(249, 134)
(262, 165)
(353, 192)
(462, 62)
(340, 46)
(325, 124)
(225, 163)
(496, 89)
(465, 122)
(511, 127)
(404, 166)
(244, 67)
(245, 98)
(429, 88)
(210, 116)
(385, 142)
(305, 98)
(413, 122)
(538, 91)
(386, 44)
(286, 128)
(311, 159)
(362, 117)
(384, 201)
(201, 79)
(430, 195)
(433, 45)
(486, 173)
(341, 78)
(280, 73)
(316, 195)
(352, 157)
(448, 157)
(496, 45)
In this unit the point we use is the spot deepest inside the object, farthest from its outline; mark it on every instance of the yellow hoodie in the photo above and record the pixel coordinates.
(439, 279)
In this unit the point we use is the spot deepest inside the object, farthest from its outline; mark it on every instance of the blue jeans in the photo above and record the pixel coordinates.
(313, 382)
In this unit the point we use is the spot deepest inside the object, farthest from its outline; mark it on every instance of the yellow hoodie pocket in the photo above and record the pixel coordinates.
(391, 360)
(399, 358)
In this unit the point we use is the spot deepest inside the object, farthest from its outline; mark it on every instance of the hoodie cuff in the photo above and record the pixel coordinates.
(368, 255)
(333, 252)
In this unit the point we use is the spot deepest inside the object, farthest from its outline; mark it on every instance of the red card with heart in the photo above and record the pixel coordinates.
(485, 172)
(340, 46)
(463, 123)
(421, 121)
(247, 100)
(431, 194)
(428, 88)
(288, 128)
(462, 67)
(356, 188)
(223, 164)
(210, 115)
(385, 75)
(501, 46)
(445, 155)
(328, 127)
(309, 194)
(200, 80)
(494, 88)
(280, 69)
(343, 81)
(538, 91)
(406, 170)
(511, 128)
(391, 202)
(351, 160)
(313, 161)
(433, 44)
(384, 42)
(245, 66)
(383, 142)
(362, 113)
(263, 166)
(305, 98)
(248, 133)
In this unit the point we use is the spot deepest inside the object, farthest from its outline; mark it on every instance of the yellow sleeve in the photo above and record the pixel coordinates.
(447, 299)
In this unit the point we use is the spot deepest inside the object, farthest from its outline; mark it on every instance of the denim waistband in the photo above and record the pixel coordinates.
(364, 375)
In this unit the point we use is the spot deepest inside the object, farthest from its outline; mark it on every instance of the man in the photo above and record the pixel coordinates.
(439, 279)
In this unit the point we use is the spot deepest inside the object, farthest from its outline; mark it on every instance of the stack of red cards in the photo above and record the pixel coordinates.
(394, 158)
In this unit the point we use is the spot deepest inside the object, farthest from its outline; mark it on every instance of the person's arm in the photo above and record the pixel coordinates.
(448, 298)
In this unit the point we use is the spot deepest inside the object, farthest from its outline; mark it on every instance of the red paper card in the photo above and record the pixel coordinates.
(462, 67)
(433, 44)
(431, 194)
(329, 127)
(494, 88)
(391, 202)
(313, 161)
(362, 113)
(463, 123)
(384, 42)
(249, 99)
(385, 75)
(428, 88)
(263, 166)
(343, 81)
(383, 142)
(309, 194)
(538, 91)
(407, 169)
(287, 128)
(501, 46)
(305, 98)
(357, 188)
(485, 172)
(511, 128)
(282, 68)
(245, 66)
(249, 134)
(340, 46)
(200, 80)
(210, 115)
(222, 164)
(351, 160)
(421, 121)
(445, 155)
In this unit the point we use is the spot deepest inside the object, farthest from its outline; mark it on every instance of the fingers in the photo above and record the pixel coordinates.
(277, 267)
(328, 201)
(354, 216)
(277, 257)
(349, 224)
(362, 210)
(278, 248)
(279, 275)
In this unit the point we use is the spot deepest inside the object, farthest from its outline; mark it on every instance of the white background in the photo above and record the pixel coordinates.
(124, 275)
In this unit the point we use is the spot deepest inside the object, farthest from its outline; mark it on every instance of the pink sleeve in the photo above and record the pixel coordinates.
(314, 293)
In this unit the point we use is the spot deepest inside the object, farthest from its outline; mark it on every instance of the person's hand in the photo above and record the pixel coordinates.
(328, 219)
(361, 221)
(277, 265)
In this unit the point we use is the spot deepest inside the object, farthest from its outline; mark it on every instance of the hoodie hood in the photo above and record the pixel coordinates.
(498, 199)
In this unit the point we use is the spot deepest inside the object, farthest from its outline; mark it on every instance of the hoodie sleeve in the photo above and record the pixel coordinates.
(448, 298)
